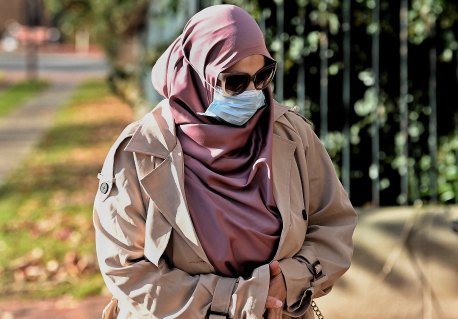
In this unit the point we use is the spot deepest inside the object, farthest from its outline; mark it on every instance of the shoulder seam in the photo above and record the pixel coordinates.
(295, 110)
(126, 134)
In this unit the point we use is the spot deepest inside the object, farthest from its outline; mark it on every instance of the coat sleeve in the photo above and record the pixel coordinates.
(327, 249)
(146, 289)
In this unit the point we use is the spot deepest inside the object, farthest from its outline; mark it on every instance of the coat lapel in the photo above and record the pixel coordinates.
(283, 155)
(282, 160)
(160, 165)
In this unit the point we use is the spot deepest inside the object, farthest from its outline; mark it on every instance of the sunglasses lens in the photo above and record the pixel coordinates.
(264, 77)
(236, 83)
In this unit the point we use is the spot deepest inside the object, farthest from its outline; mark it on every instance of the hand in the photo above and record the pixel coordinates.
(277, 292)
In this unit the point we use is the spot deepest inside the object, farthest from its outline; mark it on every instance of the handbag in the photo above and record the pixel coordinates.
(316, 310)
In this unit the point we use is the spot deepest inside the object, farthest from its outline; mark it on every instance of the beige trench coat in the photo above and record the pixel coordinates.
(148, 250)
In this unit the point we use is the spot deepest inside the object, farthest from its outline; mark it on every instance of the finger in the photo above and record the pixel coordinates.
(274, 314)
(274, 268)
(273, 303)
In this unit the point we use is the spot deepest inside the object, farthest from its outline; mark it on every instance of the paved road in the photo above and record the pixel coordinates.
(54, 62)
(57, 67)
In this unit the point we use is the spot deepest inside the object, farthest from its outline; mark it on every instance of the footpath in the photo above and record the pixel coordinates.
(404, 266)
(20, 131)
(62, 308)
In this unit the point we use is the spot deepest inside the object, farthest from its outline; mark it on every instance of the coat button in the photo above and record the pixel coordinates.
(304, 214)
(104, 188)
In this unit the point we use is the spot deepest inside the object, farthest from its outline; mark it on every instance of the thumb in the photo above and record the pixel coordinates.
(274, 268)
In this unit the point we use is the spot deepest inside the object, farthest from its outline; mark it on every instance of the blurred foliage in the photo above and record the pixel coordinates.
(116, 26)
(109, 22)
(46, 231)
(430, 23)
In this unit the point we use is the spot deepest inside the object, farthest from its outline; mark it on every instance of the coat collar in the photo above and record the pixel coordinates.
(156, 135)
(279, 110)
(164, 182)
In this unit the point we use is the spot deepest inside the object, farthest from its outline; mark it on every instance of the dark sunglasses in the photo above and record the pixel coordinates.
(234, 83)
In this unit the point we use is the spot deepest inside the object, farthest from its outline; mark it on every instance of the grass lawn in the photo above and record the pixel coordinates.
(18, 93)
(46, 233)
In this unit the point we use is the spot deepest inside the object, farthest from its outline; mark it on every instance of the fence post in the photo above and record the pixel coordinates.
(432, 140)
(323, 86)
(374, 171)
(324, 47)
(279, 83)
(346, 93)
(301, 89)
(456, 131)
(403, 108)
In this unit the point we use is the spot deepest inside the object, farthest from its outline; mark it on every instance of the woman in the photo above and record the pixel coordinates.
(220, 202)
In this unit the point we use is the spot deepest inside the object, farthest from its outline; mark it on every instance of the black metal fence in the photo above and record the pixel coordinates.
(379, 79)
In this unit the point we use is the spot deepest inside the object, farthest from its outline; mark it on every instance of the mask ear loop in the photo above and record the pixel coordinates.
(199, 74)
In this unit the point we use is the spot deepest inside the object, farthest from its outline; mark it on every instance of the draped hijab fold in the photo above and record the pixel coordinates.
(228, 169)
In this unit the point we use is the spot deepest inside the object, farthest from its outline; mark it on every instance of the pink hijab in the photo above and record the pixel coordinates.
(228, 175)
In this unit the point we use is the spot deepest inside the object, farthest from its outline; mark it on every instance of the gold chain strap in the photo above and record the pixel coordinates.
(317, 310)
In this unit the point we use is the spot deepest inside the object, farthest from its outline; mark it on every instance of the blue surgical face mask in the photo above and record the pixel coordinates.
(237, 109)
